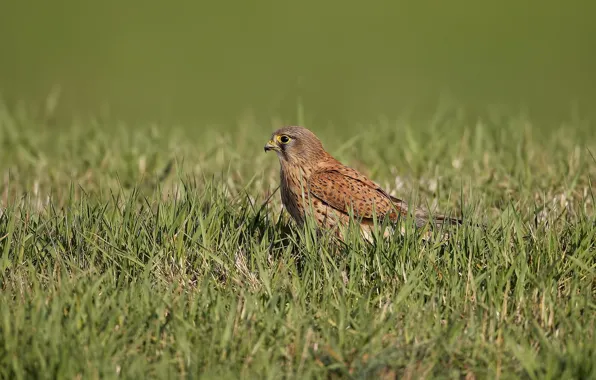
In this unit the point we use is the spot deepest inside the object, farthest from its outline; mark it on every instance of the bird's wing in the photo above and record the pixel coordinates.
(421, 217)
(345, 189)
(352, 173)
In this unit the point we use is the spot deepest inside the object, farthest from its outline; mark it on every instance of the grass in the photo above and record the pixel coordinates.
(133, 251)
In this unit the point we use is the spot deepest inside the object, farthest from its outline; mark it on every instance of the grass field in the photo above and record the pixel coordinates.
(134, 251)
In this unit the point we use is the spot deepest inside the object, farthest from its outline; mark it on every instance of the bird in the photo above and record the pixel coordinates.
(314, 183)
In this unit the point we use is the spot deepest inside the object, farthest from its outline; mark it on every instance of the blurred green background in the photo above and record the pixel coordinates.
(345, 61)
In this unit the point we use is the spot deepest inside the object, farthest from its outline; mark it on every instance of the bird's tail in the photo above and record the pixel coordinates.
(440, 220)
(423, 217)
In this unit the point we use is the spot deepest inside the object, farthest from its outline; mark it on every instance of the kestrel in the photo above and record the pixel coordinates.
(314, 183)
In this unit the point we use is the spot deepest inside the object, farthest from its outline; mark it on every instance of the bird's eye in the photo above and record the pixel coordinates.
(283, 139)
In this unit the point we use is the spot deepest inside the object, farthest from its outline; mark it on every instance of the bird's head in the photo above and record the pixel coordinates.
(296, 145)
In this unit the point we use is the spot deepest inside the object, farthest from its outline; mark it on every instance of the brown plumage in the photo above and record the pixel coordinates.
(311, 179)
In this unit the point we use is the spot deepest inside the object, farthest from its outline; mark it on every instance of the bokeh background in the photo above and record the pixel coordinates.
(211, 62)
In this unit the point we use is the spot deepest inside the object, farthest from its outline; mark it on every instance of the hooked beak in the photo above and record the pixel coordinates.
(271, 145)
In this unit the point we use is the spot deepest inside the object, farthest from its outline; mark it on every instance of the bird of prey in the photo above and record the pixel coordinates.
(316, 184)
